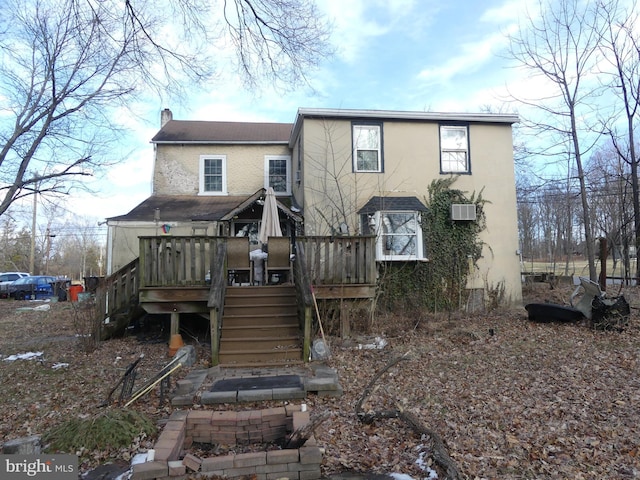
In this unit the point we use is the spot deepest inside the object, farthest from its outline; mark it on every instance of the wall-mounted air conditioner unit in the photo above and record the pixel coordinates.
(463, 211)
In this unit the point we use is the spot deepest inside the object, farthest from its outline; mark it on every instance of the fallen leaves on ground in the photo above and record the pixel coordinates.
(509, 397)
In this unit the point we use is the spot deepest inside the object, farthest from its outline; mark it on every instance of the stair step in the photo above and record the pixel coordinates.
(262, 295)
(260, 355)
(260, 320)
(258, 332)
(231, 300)
(260, 326)
(259, 343)
(262, 363)
(264, 308)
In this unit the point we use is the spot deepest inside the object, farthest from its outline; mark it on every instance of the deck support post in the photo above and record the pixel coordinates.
(306, 345)
(215, 339)
(175, 323)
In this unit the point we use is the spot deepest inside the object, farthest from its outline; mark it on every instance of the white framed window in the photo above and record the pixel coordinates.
(277, 173)
(454, 149)
(398, 235)
(213, 175)
(367, 148)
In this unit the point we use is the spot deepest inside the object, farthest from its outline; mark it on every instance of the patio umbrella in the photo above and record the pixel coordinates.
(270, 226)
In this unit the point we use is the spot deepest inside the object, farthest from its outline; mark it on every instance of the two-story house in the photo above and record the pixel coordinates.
(364, 171)
(336, 173)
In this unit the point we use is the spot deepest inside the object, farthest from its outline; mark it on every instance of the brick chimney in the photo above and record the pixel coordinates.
(165, 116)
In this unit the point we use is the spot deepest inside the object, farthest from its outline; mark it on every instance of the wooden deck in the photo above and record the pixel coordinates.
(176, 275)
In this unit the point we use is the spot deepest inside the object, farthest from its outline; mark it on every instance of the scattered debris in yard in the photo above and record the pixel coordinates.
(40, 308)
(376, 343)
(24, 356)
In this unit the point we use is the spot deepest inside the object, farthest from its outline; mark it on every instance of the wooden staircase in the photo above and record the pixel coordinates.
(260, 326)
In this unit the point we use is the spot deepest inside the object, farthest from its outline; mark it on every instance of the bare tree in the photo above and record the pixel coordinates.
(281, 40)
(611, 194)
(67, 66)
(621, 49)
(561, 45)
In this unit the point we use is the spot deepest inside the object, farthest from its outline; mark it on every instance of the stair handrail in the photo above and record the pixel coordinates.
(117, 291)
(215, 301)
(304, 295)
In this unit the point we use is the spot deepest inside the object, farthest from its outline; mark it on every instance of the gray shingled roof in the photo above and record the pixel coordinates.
(191, 131)
(174, 208)
(185, 208)
(391, 204)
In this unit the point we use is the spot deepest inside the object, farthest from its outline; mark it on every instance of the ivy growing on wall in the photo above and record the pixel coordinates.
(453, 248)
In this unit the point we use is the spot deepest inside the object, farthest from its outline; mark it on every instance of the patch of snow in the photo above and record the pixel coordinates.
(401, 476)
(59, 365)
(139, 458)
(23, 356)
(422, 464)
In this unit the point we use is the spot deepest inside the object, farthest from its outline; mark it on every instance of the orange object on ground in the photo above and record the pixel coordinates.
(175, 343)
(74, 290)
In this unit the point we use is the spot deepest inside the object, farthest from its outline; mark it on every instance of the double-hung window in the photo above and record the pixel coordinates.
(213, 175)
(277, 173)
(454, 149)
(367, 148)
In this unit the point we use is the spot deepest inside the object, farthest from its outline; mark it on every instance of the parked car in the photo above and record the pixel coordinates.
(7, 278)
(32, 287)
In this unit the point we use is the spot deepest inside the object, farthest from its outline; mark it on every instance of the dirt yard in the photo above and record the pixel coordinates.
(511, 399)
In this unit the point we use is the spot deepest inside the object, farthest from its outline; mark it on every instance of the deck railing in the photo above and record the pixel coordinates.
(118, 293)
(177, 261)
(340, 260)
(189, 261)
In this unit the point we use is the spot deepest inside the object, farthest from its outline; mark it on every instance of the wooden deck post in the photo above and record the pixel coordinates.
(175, 323)
(215, 341)
(306, 345)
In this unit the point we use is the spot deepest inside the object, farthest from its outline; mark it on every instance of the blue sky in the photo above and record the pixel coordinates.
(420, 55)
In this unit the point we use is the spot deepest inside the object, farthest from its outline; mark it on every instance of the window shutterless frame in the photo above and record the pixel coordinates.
(367, 147)
(212, 175)
(454, 148)
(277, 173)
(398, 235)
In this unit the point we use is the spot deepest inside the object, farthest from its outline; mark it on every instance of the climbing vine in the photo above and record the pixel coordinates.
(453, 248)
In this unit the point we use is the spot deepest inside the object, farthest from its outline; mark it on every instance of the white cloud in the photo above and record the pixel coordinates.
(474, 55)
(509, 12)
(357, 22)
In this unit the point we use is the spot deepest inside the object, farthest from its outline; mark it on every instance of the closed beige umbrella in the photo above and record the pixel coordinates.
(270, 226)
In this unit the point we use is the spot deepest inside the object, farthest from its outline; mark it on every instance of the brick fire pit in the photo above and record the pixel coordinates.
(233, 428)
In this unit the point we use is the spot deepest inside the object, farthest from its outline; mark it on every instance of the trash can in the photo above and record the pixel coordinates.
(74, 290)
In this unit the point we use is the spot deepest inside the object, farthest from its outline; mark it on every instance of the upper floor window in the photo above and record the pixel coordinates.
(454, 149)
(213, 175)
(367, 148)
(278, 173)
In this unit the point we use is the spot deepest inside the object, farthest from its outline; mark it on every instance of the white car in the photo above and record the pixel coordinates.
(8, 278)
